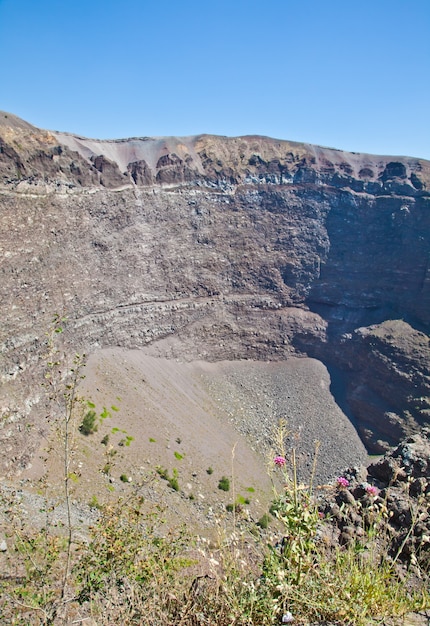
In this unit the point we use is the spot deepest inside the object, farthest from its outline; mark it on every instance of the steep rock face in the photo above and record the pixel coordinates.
(378, 259)
(388, 367)
(234, 247)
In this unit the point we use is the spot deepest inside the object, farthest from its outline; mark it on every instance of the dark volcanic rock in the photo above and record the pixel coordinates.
(377, 262)
(238, 248)
(390, 498)
(141, 173)
(173, 170)
(391, 371)
(386, 378)
(109, 170)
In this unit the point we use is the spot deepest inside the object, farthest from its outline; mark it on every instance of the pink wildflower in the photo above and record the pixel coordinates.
(372, 490)
(342, 482)
(279, 461)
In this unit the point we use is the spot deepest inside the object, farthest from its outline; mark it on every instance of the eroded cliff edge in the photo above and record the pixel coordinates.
(219, 248)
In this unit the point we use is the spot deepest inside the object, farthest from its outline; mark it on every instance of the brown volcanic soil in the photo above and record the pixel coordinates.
(193, 416)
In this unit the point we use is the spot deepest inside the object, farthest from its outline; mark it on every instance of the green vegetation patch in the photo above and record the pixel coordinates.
(172, 480)
(105, 413)
(224, 484)
(89, 424)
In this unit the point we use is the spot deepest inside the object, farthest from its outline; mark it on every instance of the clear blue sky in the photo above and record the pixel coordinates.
(353, 75)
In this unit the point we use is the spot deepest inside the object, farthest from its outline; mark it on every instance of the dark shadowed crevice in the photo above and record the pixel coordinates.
(338, 389)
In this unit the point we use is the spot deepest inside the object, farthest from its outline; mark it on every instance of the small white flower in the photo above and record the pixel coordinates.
(287, 618)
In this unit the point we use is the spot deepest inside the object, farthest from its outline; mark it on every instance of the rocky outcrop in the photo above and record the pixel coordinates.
(32, 156)
(389, 498)
(237, 248)
(110, 177)
(389, 366)
(141, 173)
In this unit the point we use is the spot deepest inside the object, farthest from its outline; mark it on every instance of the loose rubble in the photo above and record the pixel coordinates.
(394, 494)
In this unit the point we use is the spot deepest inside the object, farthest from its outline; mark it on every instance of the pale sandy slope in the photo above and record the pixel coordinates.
(190, 416)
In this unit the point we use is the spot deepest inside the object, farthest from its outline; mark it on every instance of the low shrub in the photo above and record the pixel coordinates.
(89, 424)
(263, 522)
(224, 484)
(172, 480)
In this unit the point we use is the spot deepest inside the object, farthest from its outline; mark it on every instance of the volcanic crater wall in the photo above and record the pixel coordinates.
(238, 248)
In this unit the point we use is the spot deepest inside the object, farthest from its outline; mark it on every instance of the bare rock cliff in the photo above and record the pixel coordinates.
(219, 248)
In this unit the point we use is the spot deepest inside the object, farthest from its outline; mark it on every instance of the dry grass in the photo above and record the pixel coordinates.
(136, 569)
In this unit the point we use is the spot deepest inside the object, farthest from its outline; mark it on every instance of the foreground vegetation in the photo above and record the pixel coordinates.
(133, 568)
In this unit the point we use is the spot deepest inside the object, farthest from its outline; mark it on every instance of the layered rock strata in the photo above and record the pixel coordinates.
(218, 248)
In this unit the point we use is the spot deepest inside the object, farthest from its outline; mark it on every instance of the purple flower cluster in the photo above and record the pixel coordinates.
(342, 481)
(372, 490)
(279, 461)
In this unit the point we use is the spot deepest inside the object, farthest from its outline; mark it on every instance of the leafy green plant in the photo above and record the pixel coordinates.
(298, 512)
(126, 441)
(178, 456)
(209, 471)
(264, 520)
(234, 507)
(73, 477)
(115, 429)
(94, 503)
(89, 424)
(162, 472)
(172, 480)
(224, 484)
